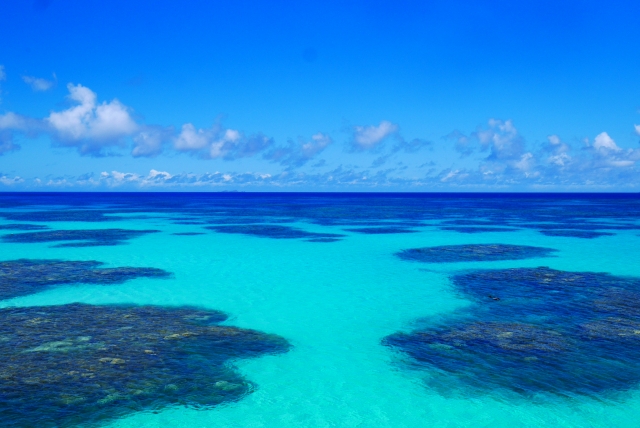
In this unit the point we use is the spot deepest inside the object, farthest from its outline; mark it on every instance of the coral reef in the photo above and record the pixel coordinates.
(473, 252)
(532, 331)
(78, 364)
(272, 231)
(26, 276)
(79, 238)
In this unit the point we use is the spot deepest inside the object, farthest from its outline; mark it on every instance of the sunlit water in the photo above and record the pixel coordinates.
(334, 302)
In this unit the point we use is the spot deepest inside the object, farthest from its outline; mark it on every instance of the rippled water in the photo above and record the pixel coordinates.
(296, 266)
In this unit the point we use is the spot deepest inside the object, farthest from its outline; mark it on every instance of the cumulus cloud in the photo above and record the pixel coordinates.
(556, 151)
(217, 142)
(150, 141)
(39, 84)
(8, 181)
(93, 127)
(637, 127)
(369, 137)
(89, 126)
(606, 153)
(296, 154)
(604, 142)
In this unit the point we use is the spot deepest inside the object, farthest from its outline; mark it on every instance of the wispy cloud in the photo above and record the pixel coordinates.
(151, 140)
(296, 154)
(39, 84)
(370, 137)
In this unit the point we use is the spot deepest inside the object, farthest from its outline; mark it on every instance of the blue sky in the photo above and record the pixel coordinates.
(320, 96)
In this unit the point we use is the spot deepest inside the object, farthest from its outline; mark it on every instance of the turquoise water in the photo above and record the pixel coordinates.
(334, 302)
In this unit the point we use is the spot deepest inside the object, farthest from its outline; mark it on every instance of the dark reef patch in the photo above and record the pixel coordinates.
(323, 240)
(477, 229)
(473, 253)
(272, 231)
(27, 276)
(77, 364)
(189, 222)
(248, 220)
(188, 233)
(532, 331)
(85, 238)
(585, 234)
(473, 222)
(60, 215)
(23, 227)
(381, 230)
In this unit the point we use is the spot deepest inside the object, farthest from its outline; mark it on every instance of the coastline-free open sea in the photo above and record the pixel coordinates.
(326, 273)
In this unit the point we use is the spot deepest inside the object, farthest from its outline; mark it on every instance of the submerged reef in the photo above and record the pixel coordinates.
(26, 276)
(477, 229)
(23, 227)
(77, 364)
(84, 238)
(381, 230)
(323, 240)
(59, 215)
(247, 220)
(473, 253)
(569, 233)
(188, 233)
(272, 231)
(532, 331)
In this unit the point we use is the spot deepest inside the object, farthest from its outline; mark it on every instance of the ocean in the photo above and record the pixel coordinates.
(321, 310)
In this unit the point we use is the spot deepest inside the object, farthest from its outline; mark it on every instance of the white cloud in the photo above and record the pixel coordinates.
(212, 143)
(607, 154)
(38, 84)
(150, 141)
(526, 162)
(7, 181)
(13, 121)
(604, 142)
(90, 126)
(637, 127)
(368, 137)
(222, 146)
(218, 142)
(191, 139)
(554, 140)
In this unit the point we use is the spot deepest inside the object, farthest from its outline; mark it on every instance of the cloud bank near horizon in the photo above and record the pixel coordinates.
(494, 155)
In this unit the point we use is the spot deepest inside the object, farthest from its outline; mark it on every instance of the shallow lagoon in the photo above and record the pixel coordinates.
(333, 302)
